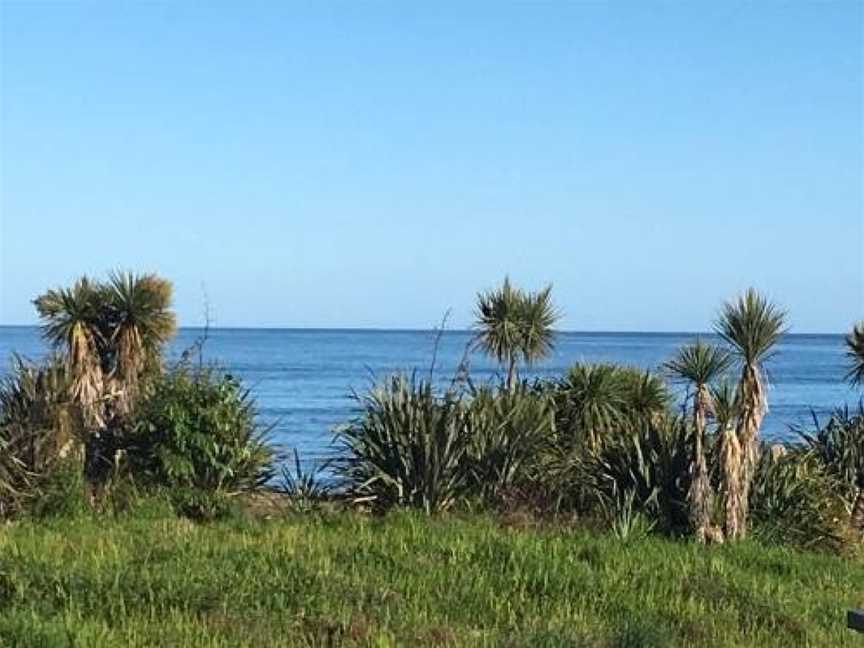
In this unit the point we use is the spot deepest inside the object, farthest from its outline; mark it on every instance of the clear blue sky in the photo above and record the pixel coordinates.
(372, 164)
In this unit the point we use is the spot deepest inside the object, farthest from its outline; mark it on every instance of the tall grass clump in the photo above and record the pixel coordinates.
(643, 469)
(302, 487)
(406, 448)
(38, 429)
(510, 432)
(412, 446)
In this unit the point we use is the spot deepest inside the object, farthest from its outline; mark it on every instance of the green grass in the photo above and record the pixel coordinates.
(344, 579)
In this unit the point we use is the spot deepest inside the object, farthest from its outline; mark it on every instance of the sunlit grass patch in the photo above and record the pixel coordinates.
(405, 579)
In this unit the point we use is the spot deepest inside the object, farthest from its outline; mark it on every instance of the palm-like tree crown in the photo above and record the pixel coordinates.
(512, 323)
(110, 333)
(752, 325)
(596, 399)
(140, 320)
(646, 394)
(71, 323)
(855, 352)
(69, 316)
(499, 321)
(698, 363)
(538, 316)
(724, 401)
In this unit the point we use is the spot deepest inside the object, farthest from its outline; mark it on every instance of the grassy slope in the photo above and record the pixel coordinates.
(405, 580)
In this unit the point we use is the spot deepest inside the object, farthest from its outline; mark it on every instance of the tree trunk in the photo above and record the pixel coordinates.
(511, 372)
(733, 478)
(700, 494)
(99, 452)
(741, 454)
(857, 519)
(699, 498)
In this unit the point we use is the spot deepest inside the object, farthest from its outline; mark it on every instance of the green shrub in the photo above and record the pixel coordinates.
(509, 433)
(627, 523)
(593, 401)
(646, 395)
(645, 470)
(793, 500)
(618, 451)
(408, 447)
(196, 431)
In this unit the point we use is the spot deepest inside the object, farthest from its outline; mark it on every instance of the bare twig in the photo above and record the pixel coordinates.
(202, 340)
(463, 369)
(439, 332)
(197, 347)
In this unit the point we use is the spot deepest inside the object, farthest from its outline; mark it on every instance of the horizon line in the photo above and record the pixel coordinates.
(377, 329)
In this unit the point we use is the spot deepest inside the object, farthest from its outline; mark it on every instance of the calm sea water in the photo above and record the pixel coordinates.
(303, 379)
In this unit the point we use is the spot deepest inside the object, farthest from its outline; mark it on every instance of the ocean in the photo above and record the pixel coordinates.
(303, 378)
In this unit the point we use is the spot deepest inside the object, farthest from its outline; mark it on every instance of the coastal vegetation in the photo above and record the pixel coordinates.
(516, 496)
